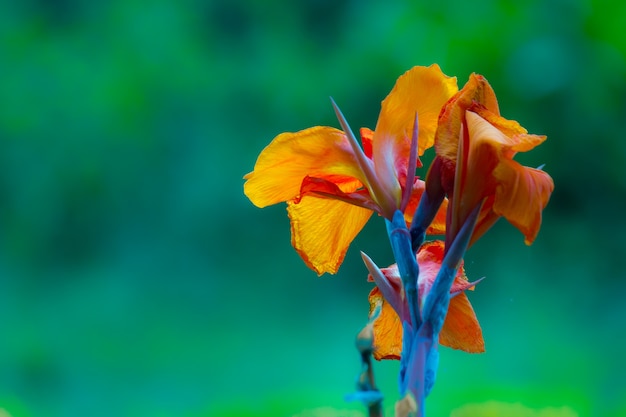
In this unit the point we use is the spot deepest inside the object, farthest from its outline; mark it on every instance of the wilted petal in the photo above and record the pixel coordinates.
(280, 168)
(322, 229)
(460, 328)
(429, 259)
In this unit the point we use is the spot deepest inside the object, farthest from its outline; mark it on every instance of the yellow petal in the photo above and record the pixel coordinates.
(421, 91)
(290, 157)
(387, 329)
(461, 329)
(322, 229)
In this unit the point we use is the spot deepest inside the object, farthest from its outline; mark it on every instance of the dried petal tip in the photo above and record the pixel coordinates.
(412, 165)
(376, 188)
(459, 288)
(390, 294)
(407, 406)
(365, 339)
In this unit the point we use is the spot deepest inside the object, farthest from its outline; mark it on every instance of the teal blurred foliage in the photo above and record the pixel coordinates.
(137, 280)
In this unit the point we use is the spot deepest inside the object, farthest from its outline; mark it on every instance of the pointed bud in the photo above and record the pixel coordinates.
(410, 174)
(377, 190)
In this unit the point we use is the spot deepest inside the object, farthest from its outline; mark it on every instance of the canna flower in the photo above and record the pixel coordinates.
(332, 186)
(474, 165)
(460, 328)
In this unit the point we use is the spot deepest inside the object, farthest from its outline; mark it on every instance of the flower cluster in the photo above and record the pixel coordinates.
(332, 185)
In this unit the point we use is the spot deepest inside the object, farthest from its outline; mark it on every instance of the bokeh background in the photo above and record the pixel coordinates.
(137, 280)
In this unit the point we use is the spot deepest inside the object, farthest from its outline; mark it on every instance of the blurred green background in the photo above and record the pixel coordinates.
(137, 280)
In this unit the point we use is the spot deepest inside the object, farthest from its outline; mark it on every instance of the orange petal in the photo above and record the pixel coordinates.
(334, 187)
(421, 91)
(290, 157)
(387, 329)
(521, 193)
(460, 328)
(509, 128)
(486, 219)
(524, 194)
(488, 147)
(476, 90)
(517, 137)
(483, 155)
(430, 257)
(322, 229)
(366, 141)
(506, 136)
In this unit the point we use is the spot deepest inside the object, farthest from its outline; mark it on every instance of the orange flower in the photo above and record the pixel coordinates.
(460, 329)
(474, 164)
(320, 169)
